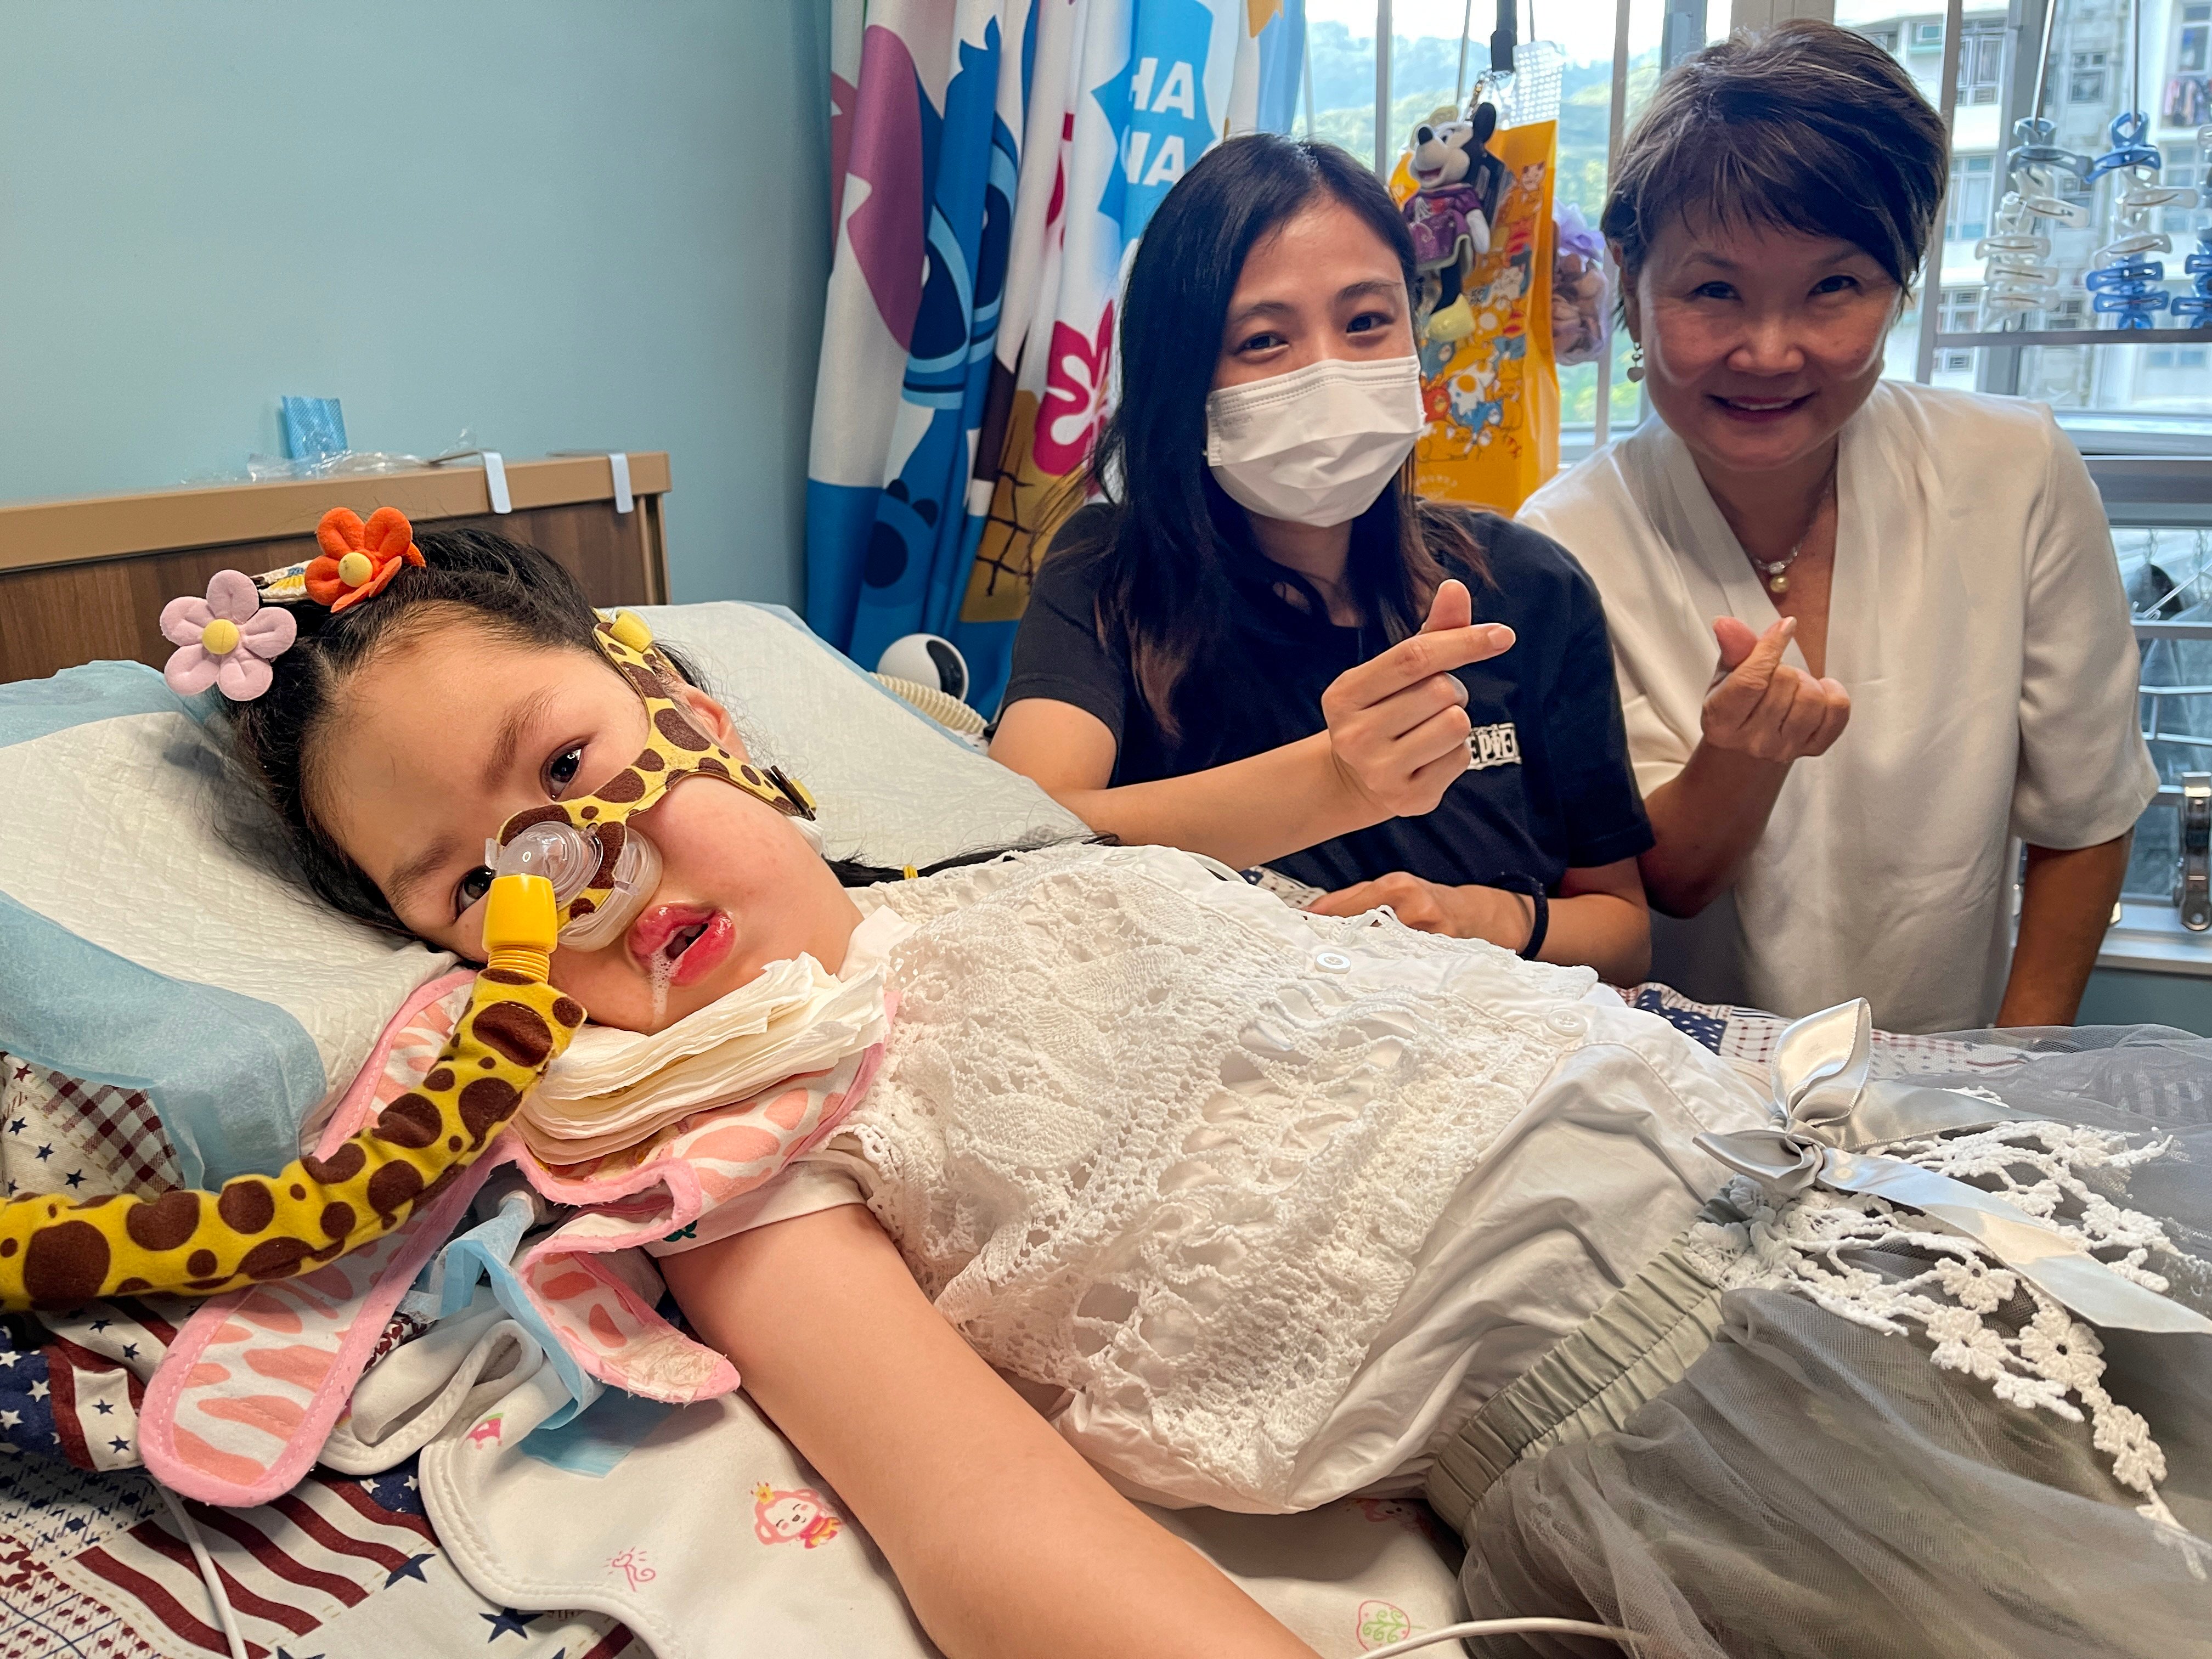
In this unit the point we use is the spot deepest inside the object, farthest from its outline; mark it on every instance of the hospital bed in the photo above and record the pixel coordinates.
(170, 1012)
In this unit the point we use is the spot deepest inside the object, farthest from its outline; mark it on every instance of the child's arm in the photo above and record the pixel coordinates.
(1005, 1541)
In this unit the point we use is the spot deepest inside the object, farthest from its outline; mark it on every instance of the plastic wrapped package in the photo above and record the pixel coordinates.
(1580, 292)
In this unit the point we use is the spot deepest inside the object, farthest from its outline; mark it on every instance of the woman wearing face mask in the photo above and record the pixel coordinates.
(1868, 632)
(1261, 645)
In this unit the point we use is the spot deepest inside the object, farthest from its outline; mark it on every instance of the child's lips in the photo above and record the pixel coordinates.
(685, 941)
(707, 952)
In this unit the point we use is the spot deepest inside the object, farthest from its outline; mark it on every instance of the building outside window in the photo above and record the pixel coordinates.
(2192, 51)
(2085, 83)
(1966, 213)
(1981, 58)
(1962, 311)
(2188, 92)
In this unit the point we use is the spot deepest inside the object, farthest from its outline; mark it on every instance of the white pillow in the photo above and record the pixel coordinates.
(892, 787)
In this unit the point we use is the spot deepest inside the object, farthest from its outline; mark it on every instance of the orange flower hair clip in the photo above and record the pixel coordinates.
(359, 559)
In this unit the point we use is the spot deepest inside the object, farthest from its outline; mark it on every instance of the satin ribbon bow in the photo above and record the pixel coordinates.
(1827, 1108)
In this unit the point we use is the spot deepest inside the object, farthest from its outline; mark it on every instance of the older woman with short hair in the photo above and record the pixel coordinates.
(1867, 632)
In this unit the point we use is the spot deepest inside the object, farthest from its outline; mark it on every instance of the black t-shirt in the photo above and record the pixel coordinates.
(1550, 787)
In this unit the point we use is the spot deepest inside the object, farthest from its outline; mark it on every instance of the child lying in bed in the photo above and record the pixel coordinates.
(1261, 1209)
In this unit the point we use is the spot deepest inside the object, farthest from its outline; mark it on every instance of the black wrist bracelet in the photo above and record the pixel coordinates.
(1537, 928)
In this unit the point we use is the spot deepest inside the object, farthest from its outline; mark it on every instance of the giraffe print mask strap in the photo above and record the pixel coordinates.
(675, 749)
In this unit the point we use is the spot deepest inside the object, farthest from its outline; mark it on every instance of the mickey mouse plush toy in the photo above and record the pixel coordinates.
(1458, 184)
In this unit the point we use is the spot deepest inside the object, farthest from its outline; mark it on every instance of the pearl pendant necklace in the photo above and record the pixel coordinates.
(1778, 570)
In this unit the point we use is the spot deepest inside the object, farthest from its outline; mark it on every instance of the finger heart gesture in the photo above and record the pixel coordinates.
(1759, 706)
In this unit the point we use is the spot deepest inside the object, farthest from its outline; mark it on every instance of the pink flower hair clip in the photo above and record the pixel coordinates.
(226, 640)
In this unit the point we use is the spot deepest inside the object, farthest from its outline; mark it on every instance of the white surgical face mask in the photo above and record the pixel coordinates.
(1318, 446)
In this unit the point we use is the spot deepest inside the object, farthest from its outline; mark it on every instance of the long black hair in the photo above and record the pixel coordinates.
(1181, 568)
(515, 592)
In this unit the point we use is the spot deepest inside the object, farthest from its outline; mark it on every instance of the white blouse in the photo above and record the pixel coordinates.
(1978, 620)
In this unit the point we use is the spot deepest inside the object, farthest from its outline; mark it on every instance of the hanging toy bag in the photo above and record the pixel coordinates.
(1479, 201)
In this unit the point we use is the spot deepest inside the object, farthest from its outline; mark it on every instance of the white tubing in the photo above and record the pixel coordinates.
(1513, 1627)
(216, 1593)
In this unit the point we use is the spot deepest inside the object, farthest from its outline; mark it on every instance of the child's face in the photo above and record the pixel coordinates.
(441, 739)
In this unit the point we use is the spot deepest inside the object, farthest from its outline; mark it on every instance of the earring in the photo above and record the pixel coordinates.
(1636, 363)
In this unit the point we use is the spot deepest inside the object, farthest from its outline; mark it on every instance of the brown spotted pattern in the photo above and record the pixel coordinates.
(675, 749)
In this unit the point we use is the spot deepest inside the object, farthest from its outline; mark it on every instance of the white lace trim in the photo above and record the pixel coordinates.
(1813, 1245)
(1180, 1160)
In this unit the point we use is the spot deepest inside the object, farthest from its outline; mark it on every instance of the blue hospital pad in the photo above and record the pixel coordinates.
(484, 1253)
(230, 1078)
(591, 1444)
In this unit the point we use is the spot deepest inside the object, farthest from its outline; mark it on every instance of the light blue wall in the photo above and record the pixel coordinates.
(560, 223)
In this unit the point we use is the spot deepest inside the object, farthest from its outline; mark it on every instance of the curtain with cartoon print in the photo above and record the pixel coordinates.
(994, 162)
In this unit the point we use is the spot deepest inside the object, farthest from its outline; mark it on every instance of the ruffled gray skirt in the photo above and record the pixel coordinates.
(1746, 1472)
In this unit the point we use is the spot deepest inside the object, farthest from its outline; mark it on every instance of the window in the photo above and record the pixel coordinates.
(2193, 43)
(1981, 59)
(1886, 39)
(2086, 85)
(2067, 313)
(1928, 36)
(2168, 572)
(1962, 312)
(1967, 214)
(1957, 362)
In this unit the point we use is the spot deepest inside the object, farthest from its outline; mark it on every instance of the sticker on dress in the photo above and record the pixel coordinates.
(630, 1562)
(487, 1432)
(800, 1515)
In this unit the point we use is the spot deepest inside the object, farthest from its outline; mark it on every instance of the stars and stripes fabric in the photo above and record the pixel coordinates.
(996, 160)
(91, 1564)
(60, 1134)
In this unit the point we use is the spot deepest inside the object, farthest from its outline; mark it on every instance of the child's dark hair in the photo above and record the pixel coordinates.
(512, 591)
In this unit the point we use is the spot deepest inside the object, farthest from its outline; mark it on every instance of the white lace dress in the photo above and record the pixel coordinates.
(1272, 1201)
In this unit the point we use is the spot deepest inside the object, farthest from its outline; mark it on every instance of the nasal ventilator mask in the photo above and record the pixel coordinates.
(1317, 446)
(603, 868)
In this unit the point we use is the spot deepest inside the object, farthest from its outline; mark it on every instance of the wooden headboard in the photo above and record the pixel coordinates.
(86, 580)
